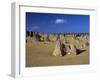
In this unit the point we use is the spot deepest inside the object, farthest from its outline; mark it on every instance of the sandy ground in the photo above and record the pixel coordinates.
(40, 54)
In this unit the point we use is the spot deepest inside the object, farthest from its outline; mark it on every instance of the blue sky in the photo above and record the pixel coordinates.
(57, 23)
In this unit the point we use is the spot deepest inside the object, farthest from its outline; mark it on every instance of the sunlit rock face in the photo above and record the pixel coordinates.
(57, 50)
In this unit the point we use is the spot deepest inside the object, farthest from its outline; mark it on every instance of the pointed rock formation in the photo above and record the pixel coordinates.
(57, 50)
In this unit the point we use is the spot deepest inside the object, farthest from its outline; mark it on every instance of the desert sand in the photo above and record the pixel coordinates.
(39, 53)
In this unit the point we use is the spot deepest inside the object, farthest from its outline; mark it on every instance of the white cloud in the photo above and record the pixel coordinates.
(59, 21)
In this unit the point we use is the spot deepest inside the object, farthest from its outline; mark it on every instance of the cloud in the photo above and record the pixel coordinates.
(32, 28)
(35, 27)
(60, 21)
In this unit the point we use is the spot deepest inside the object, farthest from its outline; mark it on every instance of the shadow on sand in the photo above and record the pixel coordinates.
(78, 51)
